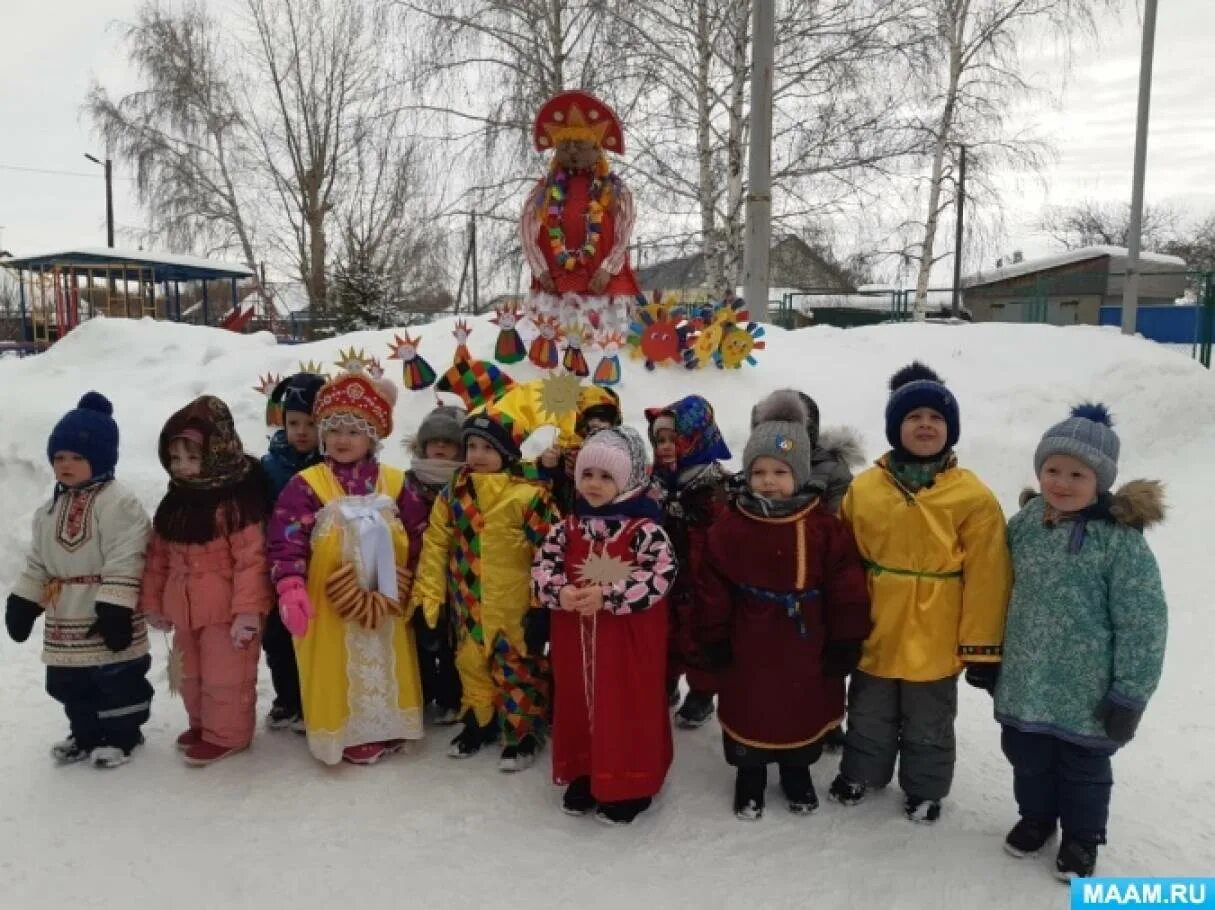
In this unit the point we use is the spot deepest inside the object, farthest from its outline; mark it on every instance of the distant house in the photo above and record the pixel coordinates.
(793, 266)
(1070, 288)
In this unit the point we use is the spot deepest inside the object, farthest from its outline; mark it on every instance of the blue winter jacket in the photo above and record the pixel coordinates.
(282, 462)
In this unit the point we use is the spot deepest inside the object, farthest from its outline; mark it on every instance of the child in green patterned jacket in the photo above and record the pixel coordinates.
(1084, 640)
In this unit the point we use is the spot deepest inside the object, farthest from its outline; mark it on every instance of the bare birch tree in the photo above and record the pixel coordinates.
(970, 69)
(183, 133)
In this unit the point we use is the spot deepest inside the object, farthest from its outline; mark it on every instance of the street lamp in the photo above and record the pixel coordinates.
(109, 199)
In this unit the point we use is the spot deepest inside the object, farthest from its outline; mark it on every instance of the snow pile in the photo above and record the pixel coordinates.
(274, 827)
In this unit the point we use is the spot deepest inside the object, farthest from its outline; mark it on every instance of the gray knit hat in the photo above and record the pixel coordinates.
(445, 422)
(1088, 436)
(779, 432)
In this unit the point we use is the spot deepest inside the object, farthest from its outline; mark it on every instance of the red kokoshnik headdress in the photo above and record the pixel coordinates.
(572, 116)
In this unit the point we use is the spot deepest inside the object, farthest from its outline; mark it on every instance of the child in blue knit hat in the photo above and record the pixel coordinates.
(1084, 641)
(83, 570)
(293, 448)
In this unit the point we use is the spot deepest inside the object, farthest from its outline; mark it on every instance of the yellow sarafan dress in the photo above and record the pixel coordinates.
(358, 685)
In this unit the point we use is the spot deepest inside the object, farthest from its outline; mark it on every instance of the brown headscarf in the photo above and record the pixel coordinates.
(227, 495)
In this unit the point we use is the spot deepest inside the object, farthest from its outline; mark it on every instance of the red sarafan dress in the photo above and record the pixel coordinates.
(610, 718)
(779, 590)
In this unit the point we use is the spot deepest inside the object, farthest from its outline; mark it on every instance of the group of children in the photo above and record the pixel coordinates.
(511, 596)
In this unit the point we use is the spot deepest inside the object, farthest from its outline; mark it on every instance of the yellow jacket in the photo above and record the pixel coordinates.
(939, 572)
(485, 579)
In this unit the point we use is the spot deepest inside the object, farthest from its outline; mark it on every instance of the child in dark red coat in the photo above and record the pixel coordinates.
(783, 611)
(605, 572)
(688, 449)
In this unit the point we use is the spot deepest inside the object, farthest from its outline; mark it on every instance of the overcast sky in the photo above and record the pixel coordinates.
(51, 50)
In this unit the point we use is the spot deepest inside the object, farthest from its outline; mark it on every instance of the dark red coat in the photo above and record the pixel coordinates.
(774, 694)
(610, 719)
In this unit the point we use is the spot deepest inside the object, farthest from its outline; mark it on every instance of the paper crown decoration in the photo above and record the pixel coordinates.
(573, 116)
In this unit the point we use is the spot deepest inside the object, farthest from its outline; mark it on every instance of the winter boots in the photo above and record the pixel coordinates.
(1028, 836)
(578, 799)
(1076, 859)
(922, 811)
(697, 708)
(468, 742)
(623, 811)
(798, 788)
(749, 788)
(847, 792)
(520, 757)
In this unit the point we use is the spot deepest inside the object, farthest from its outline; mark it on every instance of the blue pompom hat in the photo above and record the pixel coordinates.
(89, 431)
(917, 386)
(1088, 436)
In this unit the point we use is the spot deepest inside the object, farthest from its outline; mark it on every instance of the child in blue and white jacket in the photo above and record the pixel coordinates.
(1084, 640)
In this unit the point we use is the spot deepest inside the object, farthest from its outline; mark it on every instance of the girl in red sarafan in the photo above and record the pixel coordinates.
(605, 572)
(783, 612)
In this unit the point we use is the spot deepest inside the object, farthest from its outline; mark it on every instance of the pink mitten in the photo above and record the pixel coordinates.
(294, 605)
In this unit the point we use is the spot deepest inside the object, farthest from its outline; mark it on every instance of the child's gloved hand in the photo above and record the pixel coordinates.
(1120, 720)
(983, 676)
(245, 627)
(294, 605)
(841, 657)
(19, 617)
(114, 624)
(570, 597)
(535, 630)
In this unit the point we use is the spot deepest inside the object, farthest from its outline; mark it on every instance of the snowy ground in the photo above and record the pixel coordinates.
(273, 828)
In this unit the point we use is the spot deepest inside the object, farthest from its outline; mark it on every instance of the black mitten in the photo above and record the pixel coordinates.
(535, 630)
(983, 676)
(841, 657)
(1120, 721)
(716, 655)
(114, 624)
(19, 617)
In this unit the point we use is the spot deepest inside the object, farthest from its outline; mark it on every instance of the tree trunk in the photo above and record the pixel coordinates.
(736, 149)
(710, 241)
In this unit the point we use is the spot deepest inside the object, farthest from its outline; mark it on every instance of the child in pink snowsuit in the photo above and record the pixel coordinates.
(206, 576)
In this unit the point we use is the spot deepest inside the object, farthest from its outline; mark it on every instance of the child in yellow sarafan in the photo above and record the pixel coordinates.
(338, 555)
(477, 559)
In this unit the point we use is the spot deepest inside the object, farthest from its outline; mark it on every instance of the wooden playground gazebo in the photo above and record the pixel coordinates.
(59, 290)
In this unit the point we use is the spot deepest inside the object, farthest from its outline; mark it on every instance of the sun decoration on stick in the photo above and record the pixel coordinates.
(604, 570)
(559, 394)
(265, 384)
(353, 360)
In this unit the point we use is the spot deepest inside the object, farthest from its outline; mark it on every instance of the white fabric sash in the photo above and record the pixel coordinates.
(375, 540)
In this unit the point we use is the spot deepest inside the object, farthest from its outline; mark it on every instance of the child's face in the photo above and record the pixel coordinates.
(185, 459)
(301, 432)
(442, 450)
(481, 457)
(771, 478)
(71, 469)
(596, 486)
(346, 445)
(597, 423)
(1067, 483)
(666, 453)
(923, 433)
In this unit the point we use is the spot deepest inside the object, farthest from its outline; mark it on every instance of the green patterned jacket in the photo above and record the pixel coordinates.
(1087, 618)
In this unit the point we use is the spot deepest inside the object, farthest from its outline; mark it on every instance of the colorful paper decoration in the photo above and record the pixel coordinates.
(607, 372)
(551, 401)
(313, 366)
(574, 360)
(461, 333)
(545, 346)
(353, 360)
(737, 344)
(657, 334)
(268, 385)
(510, 347)
(476, 382)
(416, 373)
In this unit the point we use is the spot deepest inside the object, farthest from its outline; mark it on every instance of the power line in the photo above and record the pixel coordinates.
(39, 170)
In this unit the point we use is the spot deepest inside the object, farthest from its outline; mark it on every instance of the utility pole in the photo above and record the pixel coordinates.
(109, 198)
(960, 205)
(758, 246)
(1130, 289)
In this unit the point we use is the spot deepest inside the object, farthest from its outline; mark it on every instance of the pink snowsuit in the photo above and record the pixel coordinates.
(200, 588)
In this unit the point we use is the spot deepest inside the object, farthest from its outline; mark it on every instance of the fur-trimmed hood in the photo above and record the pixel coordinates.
(1138, 504)
(842, 444)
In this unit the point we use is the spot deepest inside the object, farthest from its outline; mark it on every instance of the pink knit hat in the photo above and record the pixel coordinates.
(618, 451)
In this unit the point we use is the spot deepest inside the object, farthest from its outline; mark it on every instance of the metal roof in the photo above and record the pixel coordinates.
(167, 267)
(1149, 264)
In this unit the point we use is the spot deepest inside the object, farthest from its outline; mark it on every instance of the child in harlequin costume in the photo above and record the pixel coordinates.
(435, 458)
(293, 448)
(931, 535)
(598, 409)
(577, 222)
(83, 569)
(688, 447)
(206, 576)
(782, 611)
(1085, 638)
(476, 560)
(339, 558)
(605, 572)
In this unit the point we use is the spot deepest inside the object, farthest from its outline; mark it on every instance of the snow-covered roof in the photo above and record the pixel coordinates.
(168, 265)
(1159, 263)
